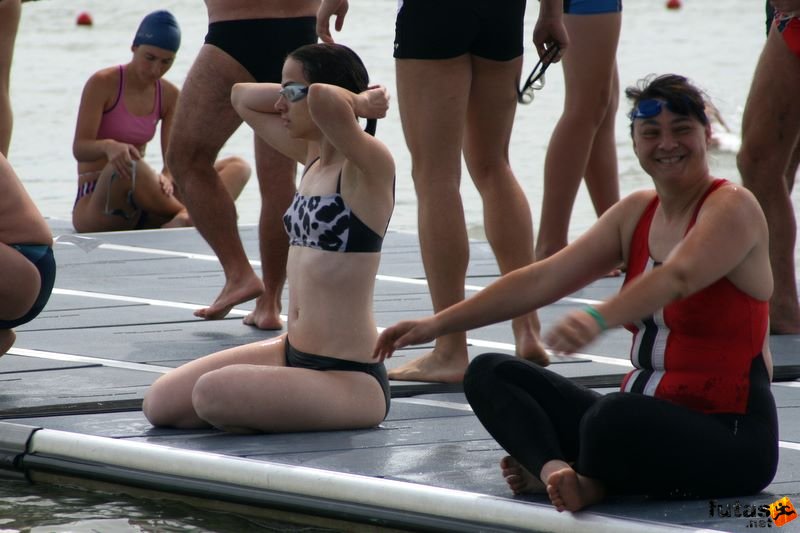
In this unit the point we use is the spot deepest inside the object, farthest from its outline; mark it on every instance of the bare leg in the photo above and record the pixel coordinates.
(519, 480)
(204, 121)
(432, 97)
(7, 338)
(506, 213)
(569, 490)
(234, 173)
(248, 388)
(10, 11)
(770, 135)
(276, 175)
(589, 73)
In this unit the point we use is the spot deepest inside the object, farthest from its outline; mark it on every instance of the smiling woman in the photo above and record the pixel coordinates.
(699, 322)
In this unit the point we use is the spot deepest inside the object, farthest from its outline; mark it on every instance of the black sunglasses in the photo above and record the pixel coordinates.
(535, 81)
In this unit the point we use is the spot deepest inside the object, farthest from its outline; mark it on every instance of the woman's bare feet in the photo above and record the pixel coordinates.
(446, 363)
(265, 316)
(7, 338)
(526, 337)
(519, 479)
(232, 294)
(570, 491)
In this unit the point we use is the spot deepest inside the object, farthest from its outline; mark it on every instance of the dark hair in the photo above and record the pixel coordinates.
(334, 64)
(680, 95)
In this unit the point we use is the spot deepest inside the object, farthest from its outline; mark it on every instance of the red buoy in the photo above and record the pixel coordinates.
(673, 4)
(84, 19)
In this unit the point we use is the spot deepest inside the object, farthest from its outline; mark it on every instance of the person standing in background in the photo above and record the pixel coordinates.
(10, 11)
(458, 67)
(769, 153)
(247, 41)
(583, 144)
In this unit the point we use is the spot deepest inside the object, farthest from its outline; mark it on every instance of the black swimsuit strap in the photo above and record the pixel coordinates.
(308, 167)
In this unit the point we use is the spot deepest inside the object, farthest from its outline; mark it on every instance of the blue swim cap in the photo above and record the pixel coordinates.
(160, 29)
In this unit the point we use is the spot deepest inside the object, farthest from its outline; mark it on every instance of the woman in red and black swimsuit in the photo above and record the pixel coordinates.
(695, 417)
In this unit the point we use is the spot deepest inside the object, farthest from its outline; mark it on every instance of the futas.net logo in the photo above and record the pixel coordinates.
(775, 514)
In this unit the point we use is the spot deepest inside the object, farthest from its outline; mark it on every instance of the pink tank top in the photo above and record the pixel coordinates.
(119, 124)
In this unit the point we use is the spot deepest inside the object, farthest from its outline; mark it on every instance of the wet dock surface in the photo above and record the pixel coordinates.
(121, 315)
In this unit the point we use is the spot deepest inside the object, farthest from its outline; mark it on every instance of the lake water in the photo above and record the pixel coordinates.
(714, 43)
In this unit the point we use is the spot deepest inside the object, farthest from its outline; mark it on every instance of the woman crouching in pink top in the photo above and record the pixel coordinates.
(119, 111)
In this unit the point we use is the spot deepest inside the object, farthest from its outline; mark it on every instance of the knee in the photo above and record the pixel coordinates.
(480, 373)
(154, 406)
(183, 159)
(207, 399)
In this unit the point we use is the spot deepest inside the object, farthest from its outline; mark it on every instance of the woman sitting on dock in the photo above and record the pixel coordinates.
(695, 417)
(29, 268)
(119, 111)
(318, 376)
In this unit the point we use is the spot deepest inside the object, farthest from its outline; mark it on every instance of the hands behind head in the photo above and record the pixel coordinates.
(373, 103)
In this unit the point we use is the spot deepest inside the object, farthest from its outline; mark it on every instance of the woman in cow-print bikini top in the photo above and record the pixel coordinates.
(327, 223)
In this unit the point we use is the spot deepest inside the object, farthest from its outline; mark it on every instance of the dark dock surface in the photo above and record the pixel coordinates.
(121, 315)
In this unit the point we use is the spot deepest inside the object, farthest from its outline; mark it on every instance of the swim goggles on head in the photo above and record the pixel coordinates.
(535, 81)
(649, 108)
(294, 92)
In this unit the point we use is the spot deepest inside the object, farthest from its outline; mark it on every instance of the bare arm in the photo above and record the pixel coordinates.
(549, 29)
(255, 103)
(728, 240)
(327, 9)
(591, 256)
(334, 110)
(169, 102)
(86, 147)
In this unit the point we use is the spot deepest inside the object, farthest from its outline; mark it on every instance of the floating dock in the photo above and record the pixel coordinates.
(121, 315)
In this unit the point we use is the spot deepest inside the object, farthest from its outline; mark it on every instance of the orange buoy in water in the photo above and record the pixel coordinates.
(84, 19)
(673, 4)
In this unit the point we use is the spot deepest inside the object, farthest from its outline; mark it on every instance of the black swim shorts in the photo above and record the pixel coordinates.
(261, 45)
(443, 29)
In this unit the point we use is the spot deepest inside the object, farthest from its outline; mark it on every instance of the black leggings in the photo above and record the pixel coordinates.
(631, 442)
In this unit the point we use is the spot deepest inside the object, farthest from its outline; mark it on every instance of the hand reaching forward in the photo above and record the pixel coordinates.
(573, 332)
(403, 334)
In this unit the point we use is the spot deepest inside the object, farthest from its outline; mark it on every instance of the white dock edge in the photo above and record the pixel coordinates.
(370, 496)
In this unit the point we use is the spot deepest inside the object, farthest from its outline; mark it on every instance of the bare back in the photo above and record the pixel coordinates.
(219, 10)
(20, 219)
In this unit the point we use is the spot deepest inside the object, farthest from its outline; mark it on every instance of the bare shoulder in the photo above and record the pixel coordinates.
(736, 200)
(169, 93)
(633, 205)
(103, 84)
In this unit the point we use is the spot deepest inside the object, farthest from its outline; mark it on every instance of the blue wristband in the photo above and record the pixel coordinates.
(594, 313)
